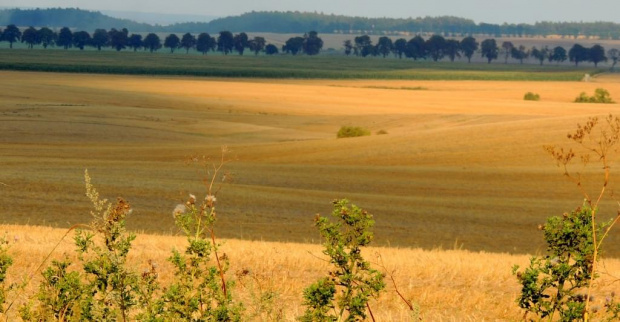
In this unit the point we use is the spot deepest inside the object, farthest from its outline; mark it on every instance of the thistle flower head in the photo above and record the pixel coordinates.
(178, 210)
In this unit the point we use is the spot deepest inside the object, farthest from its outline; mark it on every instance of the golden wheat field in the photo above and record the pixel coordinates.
(461, 167)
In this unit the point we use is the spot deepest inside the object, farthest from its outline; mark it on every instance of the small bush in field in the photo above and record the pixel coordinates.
(344, 294)
(529, 96)
(382, 132)
(601, 95)
(352, 131)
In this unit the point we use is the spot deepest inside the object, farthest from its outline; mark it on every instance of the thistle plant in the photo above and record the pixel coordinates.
(561, 283)
(200, 290)
(5, 262)
(345, 293)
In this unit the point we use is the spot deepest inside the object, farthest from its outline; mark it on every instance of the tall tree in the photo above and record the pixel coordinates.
(384, 46)
(363, 45)
(100, 38)
(539, 54)
(47, 37)
(559, 54)
(134, 42)
(81, 39)
(469, 46)
(11, 34)
(452, 49)
(435, 47)
(188, 41)
(596, 54)
(293, 45)
(225, 42)
(118, 38)
(519, 53)
(577, 54)
(205, 43)
(507, 48)
(416, 48)
(172, 42)
(30, 37)
(312, 43)
(489, 49)
(400, 47)
(257, 45)
(152, 42)
(348, 47)
(65, 38)
(240, 42)
(271, 49)
(613, 54)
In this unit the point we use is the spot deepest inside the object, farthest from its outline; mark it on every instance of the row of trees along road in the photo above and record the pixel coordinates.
(435, 48)
(226, 42)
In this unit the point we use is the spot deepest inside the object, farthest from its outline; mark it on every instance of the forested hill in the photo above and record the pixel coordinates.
(72, 18)
(301, 22)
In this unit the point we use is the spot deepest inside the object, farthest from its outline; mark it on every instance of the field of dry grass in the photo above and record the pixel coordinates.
(447, 285)
(462, 161)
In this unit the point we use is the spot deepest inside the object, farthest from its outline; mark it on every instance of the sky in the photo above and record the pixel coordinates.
(490, 11)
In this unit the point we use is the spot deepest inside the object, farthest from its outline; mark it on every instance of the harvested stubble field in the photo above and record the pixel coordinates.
(462, 166)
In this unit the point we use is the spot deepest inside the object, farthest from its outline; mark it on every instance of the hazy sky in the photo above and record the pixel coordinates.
(493, 11)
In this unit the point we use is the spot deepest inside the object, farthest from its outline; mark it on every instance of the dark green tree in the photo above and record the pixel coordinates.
(312, 43)
(452, 49)
(489, 49)
(293, 45)
(118, 38)
(519, 53)
(469, 46)
(271, 49)
(134, 41)
(172, 42)
(100, 39)
(384, 46)
(30, 37)
(11, 34)
(400, 47)
(81, 39)
(507, 48)
(225, 42)
(240, 42)
(416, 48)
(152, 42)
(539, 54)
(65, 38)
(577, 54)
(188, 41)
(435, 47)
(257, 45)
(348, 47)
(205, 43)
(596, 54)
(613, 54)
(559, 54)
(47, 37)
(363, 45)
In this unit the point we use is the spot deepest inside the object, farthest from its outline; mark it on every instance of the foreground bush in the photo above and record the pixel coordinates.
(601, 95)
(352, 131)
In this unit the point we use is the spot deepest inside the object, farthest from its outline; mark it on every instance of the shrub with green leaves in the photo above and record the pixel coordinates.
(529, 96)
(352, 131)
(554, 286)
(601, 95)
(344, 294)
(5, 262)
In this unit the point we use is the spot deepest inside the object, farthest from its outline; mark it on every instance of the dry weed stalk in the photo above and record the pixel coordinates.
(597, 146)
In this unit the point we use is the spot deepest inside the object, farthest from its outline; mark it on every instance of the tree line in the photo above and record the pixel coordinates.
(434, 48)
(226, 42)
(437, 48)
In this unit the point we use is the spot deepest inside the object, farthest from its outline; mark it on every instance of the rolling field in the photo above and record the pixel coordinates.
(462, 163)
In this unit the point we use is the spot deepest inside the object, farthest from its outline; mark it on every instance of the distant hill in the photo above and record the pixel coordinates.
(301, 22)
(72, 18)
(163, 19)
